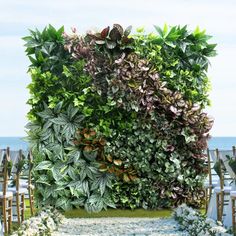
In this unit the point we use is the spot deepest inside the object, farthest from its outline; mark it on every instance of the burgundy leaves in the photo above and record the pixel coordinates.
(105, 32)
(138, 79)
(112, 38)
(142, 85)
(77, 46)
(131, 81)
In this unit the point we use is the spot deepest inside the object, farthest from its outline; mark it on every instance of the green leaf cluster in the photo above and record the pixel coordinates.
(117, 120)
(181, 59)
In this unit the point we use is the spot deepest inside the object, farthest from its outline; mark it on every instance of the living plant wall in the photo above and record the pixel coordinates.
(117, 120)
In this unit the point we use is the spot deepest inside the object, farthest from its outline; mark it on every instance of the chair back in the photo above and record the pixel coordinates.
(1, 155)
(220, 169)
(30, 161)
(209, 167)
(229, 174)
(211, 161)
(18, 165)
(26, 171)
(5, 170)
(14, 159)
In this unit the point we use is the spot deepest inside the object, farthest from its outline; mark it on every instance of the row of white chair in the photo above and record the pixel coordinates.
(220, 188)
(15, 185)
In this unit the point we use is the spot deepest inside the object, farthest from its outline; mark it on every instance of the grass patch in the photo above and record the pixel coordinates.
(27, 209)
(27, 214)
(81, 213)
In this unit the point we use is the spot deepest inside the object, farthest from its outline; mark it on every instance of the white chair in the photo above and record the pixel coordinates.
(26, 182)
(233, 211)
(18, 192)
(229, 210)
(213, 179)
(5, 196)
(221, 188)
(223, 191)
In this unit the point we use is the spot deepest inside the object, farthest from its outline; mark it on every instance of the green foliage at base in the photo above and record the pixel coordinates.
(117, 120)
(81, 213)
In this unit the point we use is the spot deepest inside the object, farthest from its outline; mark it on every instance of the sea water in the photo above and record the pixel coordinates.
(222, 143)
(16, 143)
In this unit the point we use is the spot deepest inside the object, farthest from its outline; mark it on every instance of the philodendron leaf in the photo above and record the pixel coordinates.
(48, 192)
(46, 114)
(75, 154)
(79, 202)
(61, 201)
(44, 165)
(43, 179)
(57, 175)
(58, 107)
(71, 112)
(85, 187)
(72, 172)
(103, 181)
(61, 120)
(90, 155)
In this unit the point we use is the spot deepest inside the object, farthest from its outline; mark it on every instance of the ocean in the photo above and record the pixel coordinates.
(222, 143)
(16, 143)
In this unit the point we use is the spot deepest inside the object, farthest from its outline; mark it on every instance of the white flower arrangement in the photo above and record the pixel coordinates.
(43, 224)
(196, 224)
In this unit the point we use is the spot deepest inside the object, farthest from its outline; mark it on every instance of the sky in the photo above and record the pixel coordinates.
(16, 17)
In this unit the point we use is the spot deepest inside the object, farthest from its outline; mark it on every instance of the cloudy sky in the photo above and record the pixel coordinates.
(16, 17)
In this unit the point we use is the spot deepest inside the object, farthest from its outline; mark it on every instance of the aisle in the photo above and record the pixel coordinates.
(119, 227)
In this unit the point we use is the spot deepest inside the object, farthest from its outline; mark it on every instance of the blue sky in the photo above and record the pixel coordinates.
(16, 17)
